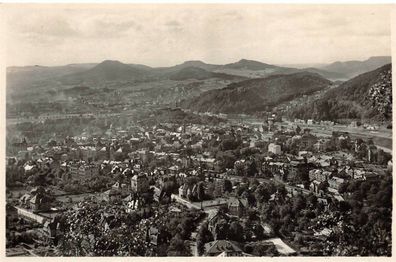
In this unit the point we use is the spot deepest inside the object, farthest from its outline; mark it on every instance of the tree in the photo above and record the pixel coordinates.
(262, 195)
(323, 186)
(227, 186)
(299, 203)
(251, 169)
(281, 189)
(343, 187)
(264, 250)
(235, 232)
(312, 200)
(201, 192)
(298, 130)
(227, 159)
(179, 247)
(239, 168)
(204, 236)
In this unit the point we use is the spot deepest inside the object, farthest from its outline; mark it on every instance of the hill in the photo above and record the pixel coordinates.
(367, 96)
(249, 65)
(333, 76)
(23, 76)
(256, 69)
(257, 94)
(198, 64)
(354, 68)
(108, 70)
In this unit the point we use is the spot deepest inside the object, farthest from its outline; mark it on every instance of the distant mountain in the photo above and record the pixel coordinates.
(108, 70)
(23, 76)
(168, 72)
(198, 64)
(249, 65)
(333, 76)
(367, 96)
(354, 68)
(257, 94)
(200, 74)
(256, 69)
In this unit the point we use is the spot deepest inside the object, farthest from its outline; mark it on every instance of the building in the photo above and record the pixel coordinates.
(37, 200)
(140, 183)
(87, 171)
(274, 148)
(218, 247)
(335, 182)
(112, 195)
(237, 207)
(314, 186)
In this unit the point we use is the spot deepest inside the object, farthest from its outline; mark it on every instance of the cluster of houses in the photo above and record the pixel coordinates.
(180, 158)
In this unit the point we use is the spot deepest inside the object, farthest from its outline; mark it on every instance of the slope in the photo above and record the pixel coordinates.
(367, 96)
(257, 94)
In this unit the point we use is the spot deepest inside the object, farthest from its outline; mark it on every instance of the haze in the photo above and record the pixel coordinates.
(164, 35)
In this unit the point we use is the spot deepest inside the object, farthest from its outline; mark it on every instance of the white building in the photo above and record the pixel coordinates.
(274, 148)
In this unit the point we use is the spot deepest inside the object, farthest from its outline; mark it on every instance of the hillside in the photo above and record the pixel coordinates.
(178, 116)
(367, 96)
(354, 68)
(257, 94)
(107, 71)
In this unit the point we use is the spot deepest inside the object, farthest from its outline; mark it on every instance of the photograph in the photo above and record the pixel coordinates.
(197, 130)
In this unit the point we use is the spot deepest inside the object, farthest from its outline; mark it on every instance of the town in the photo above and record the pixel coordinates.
(198, 130)
(171, 189)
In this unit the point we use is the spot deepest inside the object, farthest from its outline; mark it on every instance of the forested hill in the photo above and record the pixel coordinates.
(257, 94)
(367, 96)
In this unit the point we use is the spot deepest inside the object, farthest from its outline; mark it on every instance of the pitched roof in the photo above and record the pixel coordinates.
(237, 202)
(219, 246)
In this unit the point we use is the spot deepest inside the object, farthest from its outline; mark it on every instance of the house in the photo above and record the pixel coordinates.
(370, 176)
(37, 200)
(237, 206)
(319, 175)
(372, 154)
(102, 153)
(88, 171)
(50, 230)
(214, 219)
(218, 247)
(274, 148)
(41, 201)
(183, 191)
(320, 145)
(140, 183)
(314, 186)
(123, 188)
(112, 195)
(335, 182)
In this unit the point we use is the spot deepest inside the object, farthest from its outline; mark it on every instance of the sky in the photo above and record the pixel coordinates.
(165, 35)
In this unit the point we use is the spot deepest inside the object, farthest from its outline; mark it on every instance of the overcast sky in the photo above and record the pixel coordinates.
(164, 35)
